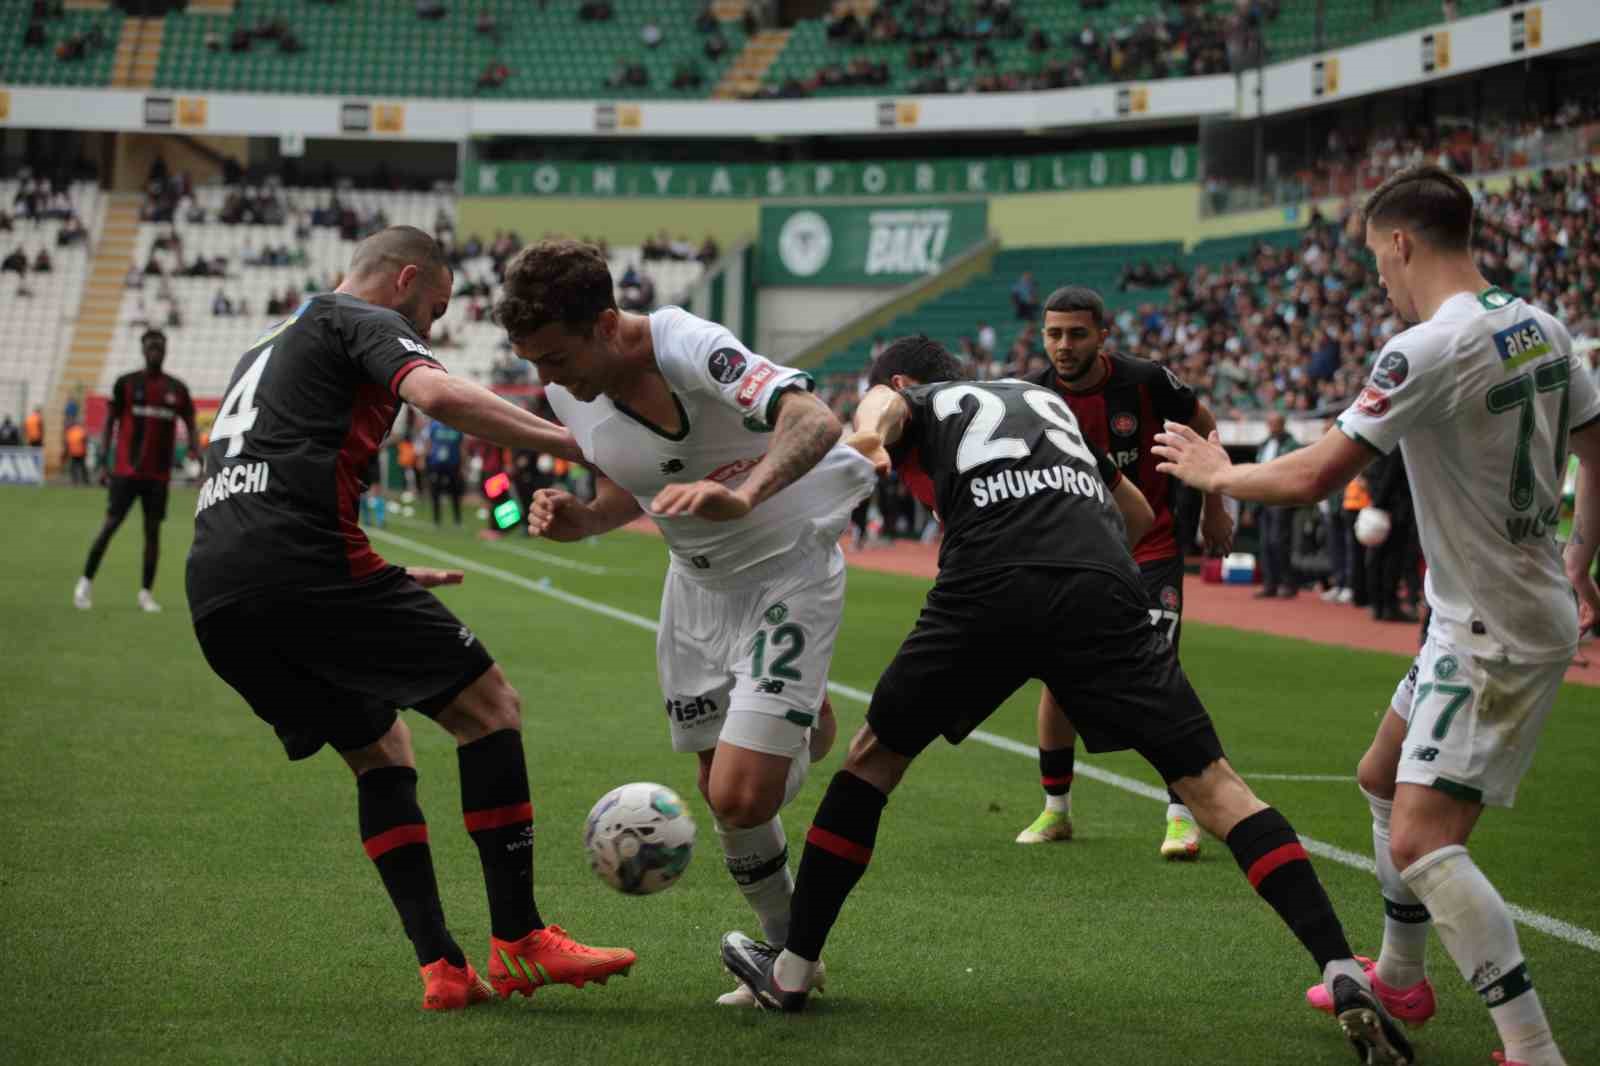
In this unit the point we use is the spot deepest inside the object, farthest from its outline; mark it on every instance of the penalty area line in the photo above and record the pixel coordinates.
(1544, 923)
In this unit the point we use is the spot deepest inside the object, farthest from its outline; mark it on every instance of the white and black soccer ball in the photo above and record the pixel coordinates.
(639, 838)
(1372, 526)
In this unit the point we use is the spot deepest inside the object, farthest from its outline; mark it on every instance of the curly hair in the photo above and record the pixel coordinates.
(562, 281)
(920, 358)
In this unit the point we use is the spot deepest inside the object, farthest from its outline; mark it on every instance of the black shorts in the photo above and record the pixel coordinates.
(1163, 586)
(1085, 633)
(333, 665)
(150, 492)
(446, 482)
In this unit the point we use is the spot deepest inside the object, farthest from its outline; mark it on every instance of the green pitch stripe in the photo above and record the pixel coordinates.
(1544, 923)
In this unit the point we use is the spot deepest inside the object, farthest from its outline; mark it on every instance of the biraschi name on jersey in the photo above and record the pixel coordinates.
(245, 477)
(1020, 484)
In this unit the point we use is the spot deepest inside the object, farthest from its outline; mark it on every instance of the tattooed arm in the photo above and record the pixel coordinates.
(1586, 525)
(803, 433)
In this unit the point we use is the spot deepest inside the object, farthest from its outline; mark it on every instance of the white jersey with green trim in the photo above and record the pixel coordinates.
(1481, 399)
(726, 396)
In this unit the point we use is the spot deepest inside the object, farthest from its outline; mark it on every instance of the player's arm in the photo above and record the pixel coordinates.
(113, 412)
(474, 409)
(880, 422)
(1586, 524)
(1304, 476)
(1216, 525)
(558, 515)
(1136, 512)
(802, 433)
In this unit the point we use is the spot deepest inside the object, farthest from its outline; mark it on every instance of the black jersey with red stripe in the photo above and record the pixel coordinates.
(305, 412)
(1003, 465)
(1121, 416)
(145, 410)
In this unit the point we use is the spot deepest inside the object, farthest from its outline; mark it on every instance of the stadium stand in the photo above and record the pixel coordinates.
(1282, 320)
(72, 48)
(934, 46)
(493, 48)
(303, 250)
(41, 305)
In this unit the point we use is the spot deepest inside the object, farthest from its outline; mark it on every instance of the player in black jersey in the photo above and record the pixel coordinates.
(325, 640)
(1035, 581)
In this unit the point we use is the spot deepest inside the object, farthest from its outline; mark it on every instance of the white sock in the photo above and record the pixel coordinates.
(1476, 929)
(1178, 810)
(1061, 804)
(1344, 968)
(758, 859)
(1405, 919)
(792, 972)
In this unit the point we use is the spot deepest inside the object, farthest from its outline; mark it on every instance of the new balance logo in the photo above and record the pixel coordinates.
(672, 466)
(769, 684)
(1424, 754)
(465, 636)
(523, 841)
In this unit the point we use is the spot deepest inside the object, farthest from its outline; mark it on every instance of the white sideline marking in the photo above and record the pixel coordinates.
(1299, 777)
(554, 560)
(1544, 923)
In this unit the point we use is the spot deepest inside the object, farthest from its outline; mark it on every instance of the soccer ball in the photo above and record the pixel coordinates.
(639, 838)
(1372, 526)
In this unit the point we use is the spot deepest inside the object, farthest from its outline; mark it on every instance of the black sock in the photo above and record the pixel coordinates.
(152, 554)
(97, 550)
(1267, 850)
(838, 848)
(396, 839)
(1172, 797)
(1055, 770)
(495, 806)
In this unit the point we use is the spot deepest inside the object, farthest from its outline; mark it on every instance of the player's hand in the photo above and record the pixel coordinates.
(703, 499)
(870, 445)
(1190, 459)
(1588, 598)
(1216, 527)
(430, 578)
(556, 515)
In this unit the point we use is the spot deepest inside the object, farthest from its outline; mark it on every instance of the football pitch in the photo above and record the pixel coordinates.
(172, 890)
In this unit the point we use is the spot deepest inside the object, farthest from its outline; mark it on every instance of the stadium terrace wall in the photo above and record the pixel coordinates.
(1445, 50)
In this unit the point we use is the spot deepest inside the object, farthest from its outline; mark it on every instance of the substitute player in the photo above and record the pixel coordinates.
(1035, 580)
(142, 419)
(1479, 396)
(325, 640)
(1120, 403)
(740, 468)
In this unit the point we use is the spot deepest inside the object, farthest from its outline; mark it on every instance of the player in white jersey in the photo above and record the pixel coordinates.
(740, 468)
(1483, 396)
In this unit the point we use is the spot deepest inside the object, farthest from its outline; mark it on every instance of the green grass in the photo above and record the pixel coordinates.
(173, 890)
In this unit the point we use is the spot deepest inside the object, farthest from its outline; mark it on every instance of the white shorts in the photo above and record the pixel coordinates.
(1472, 724)
(745, 658)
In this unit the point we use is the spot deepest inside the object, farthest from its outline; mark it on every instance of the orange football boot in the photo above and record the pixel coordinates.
(447, 987)
(549, 956)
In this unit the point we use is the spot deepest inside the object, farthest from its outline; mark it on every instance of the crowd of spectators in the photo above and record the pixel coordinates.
(1348, 160)
(72, 48)
(1293, 328)
(950, 46)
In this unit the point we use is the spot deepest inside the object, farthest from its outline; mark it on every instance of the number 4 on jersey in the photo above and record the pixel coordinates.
(237, 415)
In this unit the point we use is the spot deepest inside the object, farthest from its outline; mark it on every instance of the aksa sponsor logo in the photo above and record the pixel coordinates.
(1521, 343)
(727, 365)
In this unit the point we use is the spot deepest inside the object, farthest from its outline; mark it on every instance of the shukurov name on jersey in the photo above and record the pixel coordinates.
(246, 477)
(1020, 484)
